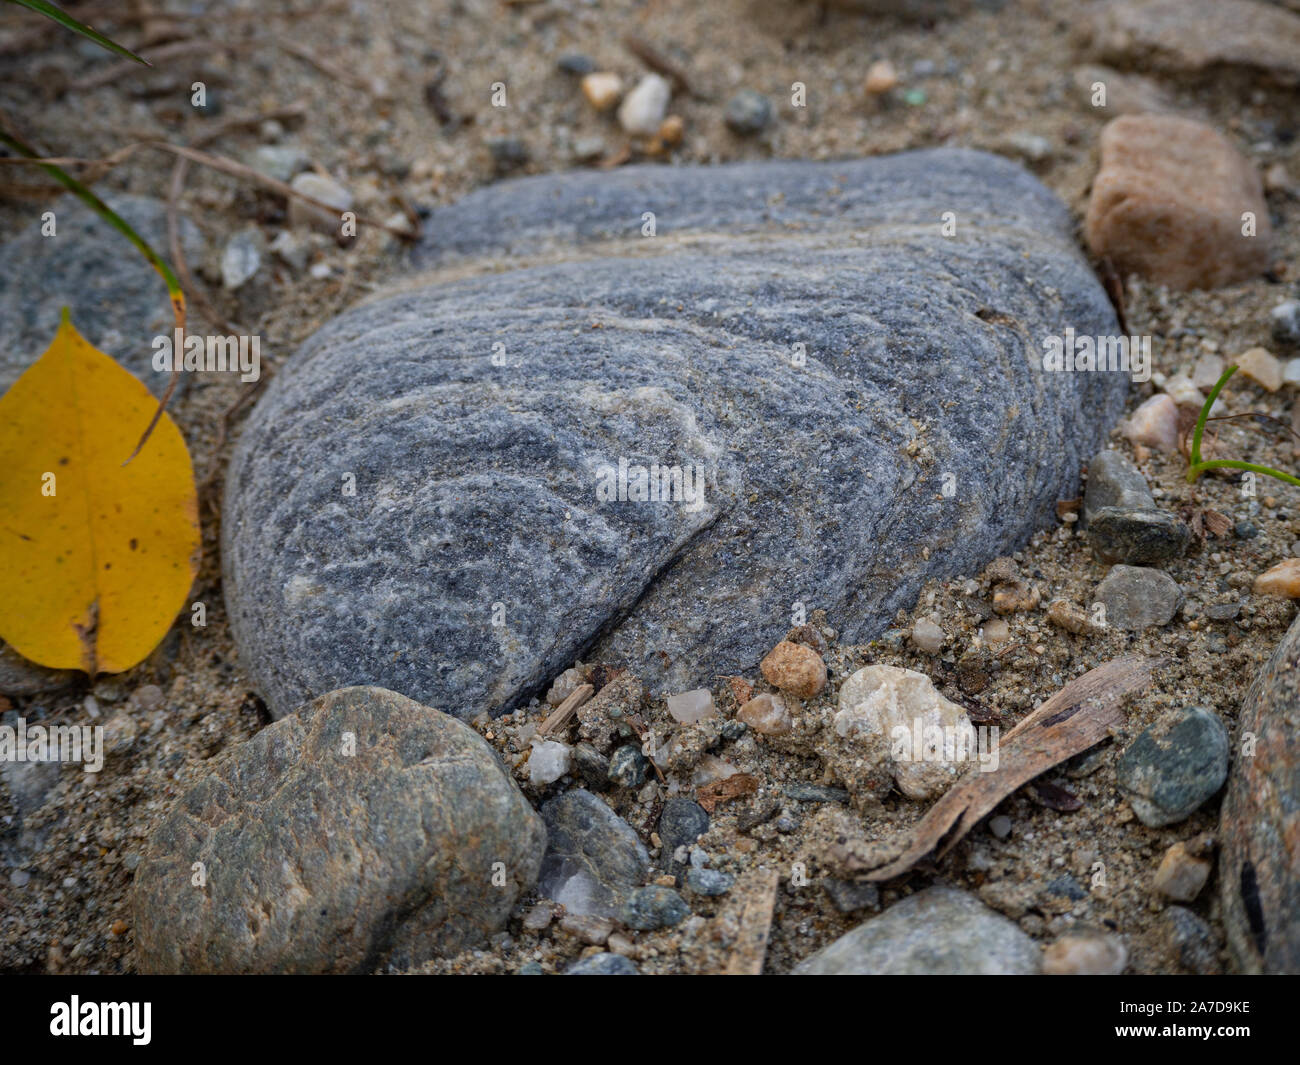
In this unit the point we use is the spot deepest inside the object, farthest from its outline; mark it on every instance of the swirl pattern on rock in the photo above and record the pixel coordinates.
(864, 394)
(363, 830)
(1259, 866)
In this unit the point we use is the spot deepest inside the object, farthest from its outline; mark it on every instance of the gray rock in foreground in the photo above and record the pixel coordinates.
(1259, 859)
(937, 931)
(319, 860)
(116, 299)
(864, 395)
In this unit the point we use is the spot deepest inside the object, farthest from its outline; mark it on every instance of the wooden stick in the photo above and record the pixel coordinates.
(1077, 717)
(755, 927)
(561, 714)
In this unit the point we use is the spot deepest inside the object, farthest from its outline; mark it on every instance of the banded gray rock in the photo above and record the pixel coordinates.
(1259, 862)
(864, 394)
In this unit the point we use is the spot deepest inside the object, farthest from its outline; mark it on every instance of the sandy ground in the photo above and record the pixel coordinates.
(355, 75)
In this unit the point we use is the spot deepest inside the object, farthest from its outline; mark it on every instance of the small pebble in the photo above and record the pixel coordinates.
(548, 761)
(881, 78)
(328, 191)
(672, 129)
(242, 258)
(290, 250)
(1167, 203)
(628, 767)
(927, 636)
(1000, 826)
(1207, 371)
(1285, 322)
(767, 714)
(508, 153)
(602, 965)
(643, 109)
(575, 64)
(708, 882)
(279, 161)
(1154, 424)
(564, 686)
(1181, 875)
(691, 707)
(1085, 953)
(539, 917)
(591, 929)
(1072, 618)
(1183, 390)
(1174, 765)
(1261, 367)
(602, 89)
(794, 669)
(1015, 597)
(1222, 611)
(591, 765)
(1137, 597)
(1281, 580)
(585, 149)
(996, 632)
(654, 907)
(849, 896)
(748, 112)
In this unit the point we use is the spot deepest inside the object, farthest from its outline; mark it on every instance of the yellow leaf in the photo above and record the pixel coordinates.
(96, 558)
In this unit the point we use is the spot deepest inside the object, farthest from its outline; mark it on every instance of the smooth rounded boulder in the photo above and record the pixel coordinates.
(694, 398)
(364, 830)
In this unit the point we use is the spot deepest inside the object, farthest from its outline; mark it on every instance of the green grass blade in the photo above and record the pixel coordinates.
(1237, 464)
(105, 212)
(44, 7)
(1195, 465)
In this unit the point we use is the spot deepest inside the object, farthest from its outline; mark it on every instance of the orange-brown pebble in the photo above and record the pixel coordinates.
(795, 669)
(1282, 580)
(767, 714)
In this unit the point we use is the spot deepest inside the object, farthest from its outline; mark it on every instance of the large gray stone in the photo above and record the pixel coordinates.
(363, 830)
(117, 300)
(938, 931)
(921, 438)
(1259, 864)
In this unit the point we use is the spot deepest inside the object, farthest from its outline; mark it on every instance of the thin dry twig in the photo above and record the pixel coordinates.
(559, 717)
(328, 67)
(216, 162)
(157, 56)
(661, 64)
(1077, 717)
(750, 949)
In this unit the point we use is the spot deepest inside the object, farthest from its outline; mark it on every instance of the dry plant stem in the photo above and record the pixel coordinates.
(559, 717)
(750, 951)
(126, 67)
(215, 162)
(1079, 716)
(175, 188)
(325, 66)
